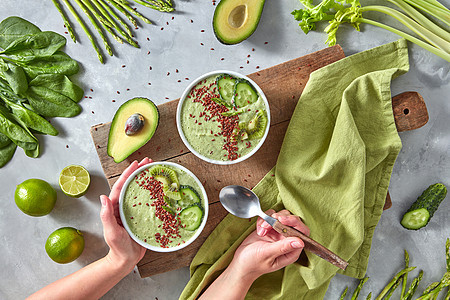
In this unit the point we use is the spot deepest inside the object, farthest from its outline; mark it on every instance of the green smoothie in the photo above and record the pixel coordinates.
(223, 126)
(161, 204)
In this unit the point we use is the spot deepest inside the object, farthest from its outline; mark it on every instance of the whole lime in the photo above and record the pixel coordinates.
(65, 244)
(35, 197)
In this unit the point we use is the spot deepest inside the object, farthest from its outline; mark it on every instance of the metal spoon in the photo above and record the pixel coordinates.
(243, 203)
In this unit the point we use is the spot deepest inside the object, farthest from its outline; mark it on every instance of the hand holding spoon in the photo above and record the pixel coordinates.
(243, 203)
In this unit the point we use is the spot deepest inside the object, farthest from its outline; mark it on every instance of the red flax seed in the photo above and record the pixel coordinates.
(170, 223)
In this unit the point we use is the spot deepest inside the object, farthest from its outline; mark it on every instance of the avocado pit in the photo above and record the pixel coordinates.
(134, 124)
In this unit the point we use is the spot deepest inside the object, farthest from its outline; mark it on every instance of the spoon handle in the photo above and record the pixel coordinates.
(311, 245)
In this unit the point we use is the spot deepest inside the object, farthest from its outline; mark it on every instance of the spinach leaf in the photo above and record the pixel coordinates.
(14, 75)
(40, 44)
(49, 103)
(13, 28)
(4, 140)
(58, 63)
(60, 84)
(6, 153)
(6, 91)
(20, 136)
(30, 119)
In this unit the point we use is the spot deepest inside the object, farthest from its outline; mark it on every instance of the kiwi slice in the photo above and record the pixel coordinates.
(169, 179)
(257, 126)
(172, 191)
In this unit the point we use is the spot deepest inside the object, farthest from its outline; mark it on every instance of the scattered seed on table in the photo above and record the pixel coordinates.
(192, 21)
(149, 83)
(162, 28)
(168, 73)
(265, 43)
(113, 100)
(222, 58)
(128, 89)
(150, 68)
(67, 146)
(241, 67)
(118, 92)
(148, 52)
(212, 48)
(202, 30)
(253, 49)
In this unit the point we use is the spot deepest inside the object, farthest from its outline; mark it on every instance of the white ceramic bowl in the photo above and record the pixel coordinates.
(141, 242)
(183, 98)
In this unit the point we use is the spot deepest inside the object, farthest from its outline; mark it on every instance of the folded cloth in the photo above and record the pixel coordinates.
(333, 171)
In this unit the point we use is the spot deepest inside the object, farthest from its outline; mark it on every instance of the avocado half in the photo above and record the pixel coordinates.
(236, 20)
(121, 145)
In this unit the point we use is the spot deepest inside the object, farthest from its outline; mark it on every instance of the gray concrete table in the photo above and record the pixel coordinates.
(179, 47)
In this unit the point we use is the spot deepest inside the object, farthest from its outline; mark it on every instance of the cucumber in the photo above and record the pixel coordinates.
(225, 84)
(422, 210)
(245, 94)
(189, 196)
(191, 217)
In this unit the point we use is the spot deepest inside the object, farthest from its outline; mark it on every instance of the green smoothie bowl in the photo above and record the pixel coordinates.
(163, 206)
(223, 117)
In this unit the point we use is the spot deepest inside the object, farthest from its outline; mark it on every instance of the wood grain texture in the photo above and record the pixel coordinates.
(282, 85)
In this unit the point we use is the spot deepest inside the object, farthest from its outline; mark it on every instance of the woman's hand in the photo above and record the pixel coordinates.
(265, 250)
(124, 251)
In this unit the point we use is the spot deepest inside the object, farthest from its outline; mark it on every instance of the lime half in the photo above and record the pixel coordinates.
(74, 181)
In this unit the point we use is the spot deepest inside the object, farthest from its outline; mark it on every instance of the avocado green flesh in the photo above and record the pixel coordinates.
(141, 218)
(121, 145)
(236, 20)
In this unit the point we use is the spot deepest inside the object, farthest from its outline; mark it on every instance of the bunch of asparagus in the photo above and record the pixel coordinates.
(103, 14)
(430, 293)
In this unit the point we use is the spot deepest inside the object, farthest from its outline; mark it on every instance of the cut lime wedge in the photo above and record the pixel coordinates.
(74, 181)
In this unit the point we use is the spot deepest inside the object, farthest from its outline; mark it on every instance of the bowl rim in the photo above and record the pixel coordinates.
(141, 242)
(183, 98)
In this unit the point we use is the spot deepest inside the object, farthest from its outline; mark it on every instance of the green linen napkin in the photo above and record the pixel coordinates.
(333, 171)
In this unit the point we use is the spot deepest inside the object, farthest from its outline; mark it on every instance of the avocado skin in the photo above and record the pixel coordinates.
(246, 34)
(117, 131)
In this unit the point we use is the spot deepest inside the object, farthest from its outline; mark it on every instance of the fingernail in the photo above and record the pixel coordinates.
(258, 230)
(296, 245)
(103, 200)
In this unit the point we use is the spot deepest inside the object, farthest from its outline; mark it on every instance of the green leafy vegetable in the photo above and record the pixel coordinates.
(13, 28)
(37, 45)
(434, 38)
(33, 85)
(6, 153)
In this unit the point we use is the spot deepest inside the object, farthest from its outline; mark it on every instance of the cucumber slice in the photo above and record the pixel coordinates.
(245, 94)
(191, 217)
(189, 196)
(416, 219)
(225, 84)
(423, 209)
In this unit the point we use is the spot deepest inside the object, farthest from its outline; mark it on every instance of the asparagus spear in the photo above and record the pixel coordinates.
(127, 14)
(413, 287)
(96, 26)
(395, 286)
(127, 7)
(447, 254)
(369, 297)
(358, 288)
(105, 23)
(344, 293)
(66, 21)
(116, 27)
(86, 30)
(113, 13)
(157, 5)
(405, 277)
(393, 281)
(434, 289)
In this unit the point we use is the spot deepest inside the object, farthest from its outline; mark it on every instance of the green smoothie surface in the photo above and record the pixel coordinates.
(151, 215)
(215, 130)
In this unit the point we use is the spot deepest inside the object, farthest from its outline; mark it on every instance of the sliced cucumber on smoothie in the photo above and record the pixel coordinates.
(225, 84)
(189, 196)
(245, 94)
(191, 217)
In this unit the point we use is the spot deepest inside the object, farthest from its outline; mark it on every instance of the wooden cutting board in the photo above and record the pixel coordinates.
(282, 84)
